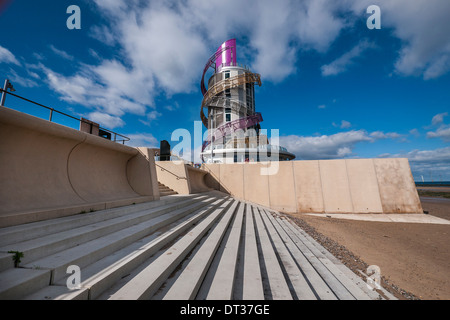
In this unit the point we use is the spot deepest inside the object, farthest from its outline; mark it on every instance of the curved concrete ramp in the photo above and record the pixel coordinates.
(49, 170)
(204, 246)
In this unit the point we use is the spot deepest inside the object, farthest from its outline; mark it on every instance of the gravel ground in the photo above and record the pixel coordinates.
(348, 258)
(414, 258)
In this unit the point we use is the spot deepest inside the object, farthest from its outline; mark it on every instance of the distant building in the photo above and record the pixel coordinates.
(232, 121)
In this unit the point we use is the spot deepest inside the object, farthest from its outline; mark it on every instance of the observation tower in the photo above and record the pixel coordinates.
(234, 130)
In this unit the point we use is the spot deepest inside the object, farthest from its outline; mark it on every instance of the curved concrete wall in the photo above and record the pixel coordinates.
(322, 186)
(49, 170)
(181, 177)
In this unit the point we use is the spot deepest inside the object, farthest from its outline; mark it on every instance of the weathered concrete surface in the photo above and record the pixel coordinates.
(197, 180)
(204, 246)
(256, 186)
(49, 170)
(335, 186)
(363, 185)
(308, 185)
(393, 217)
(398, 192)
(174, 175)
(182, 178)
(232, 179)
(282, 189)
(322, 186)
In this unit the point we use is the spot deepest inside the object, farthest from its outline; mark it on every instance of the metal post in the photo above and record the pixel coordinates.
(2, 103)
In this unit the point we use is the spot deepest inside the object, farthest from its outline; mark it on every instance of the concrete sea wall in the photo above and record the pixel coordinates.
(48, 170)
(322, 186)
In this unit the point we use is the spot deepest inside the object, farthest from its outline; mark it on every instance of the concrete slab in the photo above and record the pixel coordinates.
(335, 186)
(363, 186)
(281, 186)
(398, 191)
(308, 186)
(232, 180)
(400, 217)
(256, 186)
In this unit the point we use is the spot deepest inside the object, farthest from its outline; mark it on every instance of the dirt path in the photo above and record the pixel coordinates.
(414, 258)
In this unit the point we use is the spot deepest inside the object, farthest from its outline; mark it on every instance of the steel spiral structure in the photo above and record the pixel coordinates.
(212, 97)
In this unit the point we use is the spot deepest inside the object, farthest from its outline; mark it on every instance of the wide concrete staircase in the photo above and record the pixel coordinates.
(165, 190)
(203, 246)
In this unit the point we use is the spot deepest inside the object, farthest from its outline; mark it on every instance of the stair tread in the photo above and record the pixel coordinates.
(145, 284)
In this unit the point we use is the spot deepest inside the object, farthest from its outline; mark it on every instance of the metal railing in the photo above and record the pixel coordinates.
(52, 110)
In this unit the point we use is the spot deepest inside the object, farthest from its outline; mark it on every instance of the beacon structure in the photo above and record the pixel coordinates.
(234, 130)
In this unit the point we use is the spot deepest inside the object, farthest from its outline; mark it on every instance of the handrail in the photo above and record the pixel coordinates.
(125, 138)
(177, 176)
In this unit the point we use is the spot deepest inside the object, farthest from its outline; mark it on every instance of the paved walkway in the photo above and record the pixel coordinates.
(393, 217)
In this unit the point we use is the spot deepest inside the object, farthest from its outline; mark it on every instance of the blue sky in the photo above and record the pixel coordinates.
(332, 87)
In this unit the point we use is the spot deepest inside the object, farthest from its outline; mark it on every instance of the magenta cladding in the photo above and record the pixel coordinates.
(227, 57)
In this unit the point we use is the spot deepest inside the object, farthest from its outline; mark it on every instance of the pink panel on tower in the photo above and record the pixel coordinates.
(228, 56)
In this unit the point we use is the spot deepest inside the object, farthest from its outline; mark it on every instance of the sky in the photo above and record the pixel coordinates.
(331, 86)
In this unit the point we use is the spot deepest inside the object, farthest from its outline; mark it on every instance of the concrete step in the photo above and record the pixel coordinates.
(14, 282)
(189, 281)
(342, 287)
(219, 282)
(93, 250)
(103, 273)
(145, 284)
(33, 230)
(357, 280)
(167, 193)
(216, 247)
(299, 286)
(165, 190)
(95, 227)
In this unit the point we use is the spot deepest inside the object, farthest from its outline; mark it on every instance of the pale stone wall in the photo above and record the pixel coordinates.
(181, 177)
(322, 186)
(49, 170)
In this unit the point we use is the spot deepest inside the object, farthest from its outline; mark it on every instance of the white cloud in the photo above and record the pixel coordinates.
(105, 88)
(103, 34)
(386, 135)
(431, 164)
(344, 124)
(7, 57)
(61, 53)
(443, 133)
(162, 46)
(318, 23)
(142, 140)
(439, 118)
(105, 120)
(324, 147)
(414, 132)
(423, 28)
(182, 35)
(342, 63)
(339, 145)
(17, 79)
